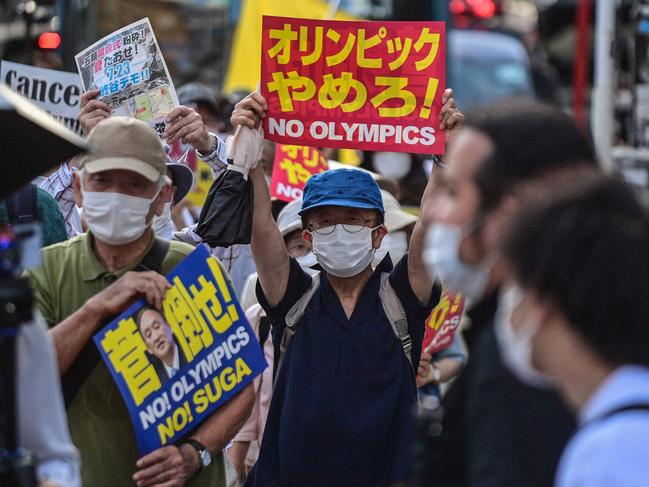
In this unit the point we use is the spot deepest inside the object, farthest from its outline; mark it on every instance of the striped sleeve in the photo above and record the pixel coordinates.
(218, 158)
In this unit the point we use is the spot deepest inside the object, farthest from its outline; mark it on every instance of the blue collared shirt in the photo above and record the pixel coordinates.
(613, 451)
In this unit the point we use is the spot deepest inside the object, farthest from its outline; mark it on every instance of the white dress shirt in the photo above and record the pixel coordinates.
(59, 185)
(175, 366)
(611, 451)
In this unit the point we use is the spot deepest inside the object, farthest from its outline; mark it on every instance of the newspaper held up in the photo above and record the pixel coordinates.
(130, 73)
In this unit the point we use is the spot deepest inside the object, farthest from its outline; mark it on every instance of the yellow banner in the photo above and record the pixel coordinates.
(245, 56)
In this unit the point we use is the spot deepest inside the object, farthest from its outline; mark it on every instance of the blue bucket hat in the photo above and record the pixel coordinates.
(351, 188)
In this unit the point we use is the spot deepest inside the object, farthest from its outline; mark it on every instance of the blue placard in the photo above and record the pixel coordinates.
(177, 365)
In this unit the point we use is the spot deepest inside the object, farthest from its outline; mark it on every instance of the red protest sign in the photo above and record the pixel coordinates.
(442, 323)
(294, 165)
(365, 85)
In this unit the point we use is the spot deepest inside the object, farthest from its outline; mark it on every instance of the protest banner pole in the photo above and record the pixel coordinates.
(582, 58)
(601, 112)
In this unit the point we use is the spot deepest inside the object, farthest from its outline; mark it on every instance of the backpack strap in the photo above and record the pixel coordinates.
(293, 318)
(396, 316)
(391, 306)
(89, 356)
(22, 206)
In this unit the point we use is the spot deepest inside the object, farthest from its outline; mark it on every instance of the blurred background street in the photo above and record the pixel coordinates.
(541, 49)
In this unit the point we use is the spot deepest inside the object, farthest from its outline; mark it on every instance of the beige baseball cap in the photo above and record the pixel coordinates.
(125, 143)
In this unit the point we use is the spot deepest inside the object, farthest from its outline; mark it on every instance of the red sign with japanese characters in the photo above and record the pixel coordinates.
(365, 85)
(442, 323)
(294, 165)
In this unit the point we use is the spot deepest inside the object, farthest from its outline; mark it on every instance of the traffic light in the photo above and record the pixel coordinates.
(481, 9)
(49, 40)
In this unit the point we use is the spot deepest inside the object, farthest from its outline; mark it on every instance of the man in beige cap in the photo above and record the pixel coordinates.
(85, 282)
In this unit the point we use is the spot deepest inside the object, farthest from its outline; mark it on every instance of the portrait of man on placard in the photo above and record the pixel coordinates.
(162, 348)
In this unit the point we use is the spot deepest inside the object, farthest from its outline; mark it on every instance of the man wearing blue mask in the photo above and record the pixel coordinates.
(342, 408)
(88, 280)
(496, 430)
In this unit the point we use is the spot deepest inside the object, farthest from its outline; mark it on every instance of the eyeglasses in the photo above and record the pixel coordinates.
(350, 225)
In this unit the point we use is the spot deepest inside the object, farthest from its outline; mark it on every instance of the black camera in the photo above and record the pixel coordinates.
(17, 466)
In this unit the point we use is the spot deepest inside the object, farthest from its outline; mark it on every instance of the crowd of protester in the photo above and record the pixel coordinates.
(545, 383)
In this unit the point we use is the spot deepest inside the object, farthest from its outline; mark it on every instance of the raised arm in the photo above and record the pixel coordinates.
(267, 244)
(420, 281)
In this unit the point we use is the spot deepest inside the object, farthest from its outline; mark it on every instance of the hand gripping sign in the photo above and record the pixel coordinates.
(365, 85)
(294, 165)
(443, 322)
(176, 366)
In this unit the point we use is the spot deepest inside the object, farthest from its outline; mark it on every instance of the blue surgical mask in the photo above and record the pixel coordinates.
(442, 258)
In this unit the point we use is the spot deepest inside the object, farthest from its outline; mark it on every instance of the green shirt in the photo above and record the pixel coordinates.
(49, 214)
(99, 421)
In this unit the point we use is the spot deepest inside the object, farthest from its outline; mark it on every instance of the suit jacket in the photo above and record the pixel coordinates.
(159, 366)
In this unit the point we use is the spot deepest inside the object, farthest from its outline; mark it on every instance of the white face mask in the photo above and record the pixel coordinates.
(342, 253)
(307, 261)
(395, 165)
(442, 257)
(116, 218)
(396, 243)
(163, 225)
(516, 346)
